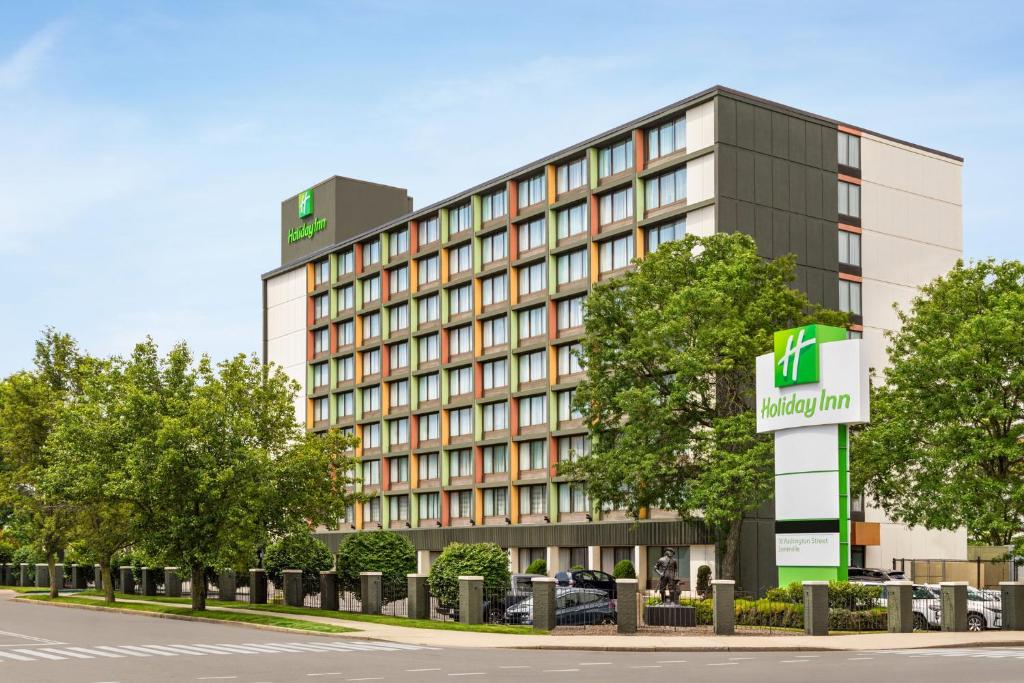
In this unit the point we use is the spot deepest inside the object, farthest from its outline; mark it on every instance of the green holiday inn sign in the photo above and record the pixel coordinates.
(309, 229)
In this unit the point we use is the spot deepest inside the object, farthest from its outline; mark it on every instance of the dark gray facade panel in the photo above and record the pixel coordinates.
(798, 237)
(797, 143)
(726, 214)
(744, 125)
(726, 169)
(812, 136)
(829, 246)
(815, 256)
(830, 297)
(798, 187)
(780, 184)
(830, 196)
(757, 571)
(780, 135)
(725, 112)
(762, 130)
(829, 148)
(763, 225)
(744, 172)
(800, 279)
(814, 193)
(763, 179)
(780, 234)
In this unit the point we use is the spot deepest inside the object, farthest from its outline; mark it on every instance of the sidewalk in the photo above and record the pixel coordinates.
(650, 643)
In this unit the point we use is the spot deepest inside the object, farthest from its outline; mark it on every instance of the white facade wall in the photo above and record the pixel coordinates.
(286, 330)
(700, 126)
(700, 179)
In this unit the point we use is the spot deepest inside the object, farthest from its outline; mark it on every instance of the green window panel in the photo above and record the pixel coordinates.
(414, 385)
(414, 509)
(357, 399)
(513, 330)
(385, 324)
(477, 255)
(477, 210)
(309, 379)
(592, 166)
(332, 403)
(638, 198)
(442, 216)
(385, 435)
(552, 229)
(358, 287)
(333, 300)
(513, 380)
(414, 320)
(552, 274)
(384, 248)
(478, 422)
(552, 502)
(359, 487)
(332, 261)
(444, 386)
(552, 411)
(443, 456)
(385, 512)
(443, 295)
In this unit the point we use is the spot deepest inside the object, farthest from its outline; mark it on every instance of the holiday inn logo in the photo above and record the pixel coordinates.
(796, 353)
(305, 203)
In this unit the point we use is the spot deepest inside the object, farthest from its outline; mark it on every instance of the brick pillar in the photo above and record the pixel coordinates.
(258, 586)
(42, 575)
(626, 599)
(723, 606)
(78, 581)
(329, 590)
(816, 608)
(148, 581)
(23, 574)
(954, 605)
(543, 603)
(58, 575)
(292, 587)
(128, 581)
(172, 582)
(97, 577)
(227, 584)
(1012, 593)
(471, 599)
(900, 606)
(419, 596)
(369, 592)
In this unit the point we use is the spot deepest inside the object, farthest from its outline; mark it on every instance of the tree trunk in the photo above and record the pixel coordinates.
(198, 588)
(55, 581)
(731, 557)
(107, 578)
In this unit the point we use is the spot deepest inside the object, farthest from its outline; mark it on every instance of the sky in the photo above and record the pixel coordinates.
(145, 146)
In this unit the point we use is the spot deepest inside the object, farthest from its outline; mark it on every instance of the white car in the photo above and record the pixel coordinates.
(923, 598)
(984, 609)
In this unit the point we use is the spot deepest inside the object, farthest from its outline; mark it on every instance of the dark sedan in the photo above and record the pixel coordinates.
(587, 578)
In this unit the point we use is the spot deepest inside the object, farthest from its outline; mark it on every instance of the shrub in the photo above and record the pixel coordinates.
(703, 610)
(875, 619)
(624, 570)
(469, 559)
(767, 613)
(577, 568)
(7, 549)
(537, 567)
(377, 551)
(27, 554)
(703, 580)
(298, 551)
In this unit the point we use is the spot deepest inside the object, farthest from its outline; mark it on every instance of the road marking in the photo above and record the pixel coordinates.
(417, 670)
(66, 653)
(559, 671)
(368, 678)
(151, 650)
(215, 678)
(594, 663)
(722, 664)
(806, 656)
(469, 673)
(858, 659)
(739, 659)
(122, 651)
(11, 655)
(328, 673)
(794, 661)
(39, 653)
(520, 666)
(646, 666)
(22, 636)
(671, 661)
(98, 653)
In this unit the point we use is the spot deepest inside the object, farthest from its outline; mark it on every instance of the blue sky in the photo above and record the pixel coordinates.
(145, 146)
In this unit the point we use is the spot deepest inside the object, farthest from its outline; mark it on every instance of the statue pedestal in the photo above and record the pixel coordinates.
(670, 615)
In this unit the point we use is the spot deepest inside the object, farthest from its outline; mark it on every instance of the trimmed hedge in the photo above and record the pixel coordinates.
(392, 555)
(773, 614)
(537, 567)
(468, 559)
(298, 551)
(624, 570)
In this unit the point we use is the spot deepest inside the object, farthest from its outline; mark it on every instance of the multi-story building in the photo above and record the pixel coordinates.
(443, 337)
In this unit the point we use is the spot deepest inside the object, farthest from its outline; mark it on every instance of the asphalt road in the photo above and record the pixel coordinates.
(42, 643)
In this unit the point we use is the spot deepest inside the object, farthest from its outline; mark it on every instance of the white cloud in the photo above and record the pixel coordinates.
(20, 68)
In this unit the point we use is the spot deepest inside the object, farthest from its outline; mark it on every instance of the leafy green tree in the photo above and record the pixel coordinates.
(945, 447)
(669, 351)
(391, 554)
(468, 559)
(624, 570)
(299, 550)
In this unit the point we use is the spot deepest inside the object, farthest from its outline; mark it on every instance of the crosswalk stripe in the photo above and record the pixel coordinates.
(122, 651)
(98, 653)
(148, 650)
(66, 653)
(11, 655)
(37, 653)
(186, 650)
(275, 647)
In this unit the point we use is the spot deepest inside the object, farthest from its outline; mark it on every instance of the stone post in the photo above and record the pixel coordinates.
(258, 586)
(5, 574)
(471, 599)
(723, 606)
(128, 581)
(329, 590)
(816, 608)
(626, 598)
(42, 575)
(900, 606)
(954, 605)
(369, 592)
(148, 581)
(172, 582)
(292, 587)
(1012, 594)
(23, 575)
(227, 584)
(419, 596)
(97, 577)
(78, 581)
(58, 575)
(543, 603)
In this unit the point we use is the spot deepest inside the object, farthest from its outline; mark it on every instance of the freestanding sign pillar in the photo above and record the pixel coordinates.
(809, 390)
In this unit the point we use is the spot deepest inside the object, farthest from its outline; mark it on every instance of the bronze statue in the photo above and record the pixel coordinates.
(666, 567)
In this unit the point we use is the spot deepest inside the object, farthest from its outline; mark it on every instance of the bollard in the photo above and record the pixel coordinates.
(258, 586)
(227, 584)
(723, 611)
(329, 590)
(1012, 594)
(97, 577)
(148, 581)
(954, 605)
(369, 592)
(172, 582)
(42, 575)
(816, 608)
(23, 578)
(419, 596)
(127, 580)
(626, 599)
(543, 603)
(471, 599)
(900, 606)
(78, 581)
(292, 579)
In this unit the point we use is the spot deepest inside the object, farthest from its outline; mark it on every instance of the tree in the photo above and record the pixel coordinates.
(468, 559)
(945, 447)
(392, 555)
(302, 551)
(669, 351)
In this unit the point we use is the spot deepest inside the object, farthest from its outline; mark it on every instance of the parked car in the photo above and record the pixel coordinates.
(521, 587)
(573, 607)
(587, 578)
(984, 609)
(922, 599)
(862, 575)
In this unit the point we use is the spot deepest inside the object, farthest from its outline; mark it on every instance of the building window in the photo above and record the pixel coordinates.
(572, 267)
(430, 505)
(494, 247)
(615, 254)
(573, 498)
(533, 410)
(460, 300)
(571, 175)
(346, 297)
(429, 347)
(849, 248)
(460, 218)
(460, 260)
(428, 231)
(460, 463)
(849, 150)
(532, 191)
(615, 158)
(346, 333)
(849, 297)
(429, 269)
(430, 309)
(572, 447)
(371, 362)
(570, 313)
(398, 470)
(616, 206)
(533, 367)
(533, 278)
(849, 199)
(399, 431)
(854, 334)
(321, 272)
(667, 188)
(495, 459)
(495, 502)
(460, 422)
(428, 387)
(430, 429)
(566, 408)
(371, 510)
(461, 504)
(371, 253)
(534, 454)
(460, 340)
(346, 404)
(371, 289)
(399, 508)
(321, 409)
(399, 356)
(371, 399)
(398, 242)
(460, 381)
(532, 235)
(371, 435)
(495, 331)
(494, 289)
(533, 500)
(321, 340)
(495, 374)
(495, 205)
(350, 514)
(568, 359)
(320, 375)
(346, 262)
(399, 317)
(346, 369)
(371, 472)
(321, 306)
(669, 232)
(398, 280)
(571, 221)
(667, 138)
(495, 416)
(533, 322)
